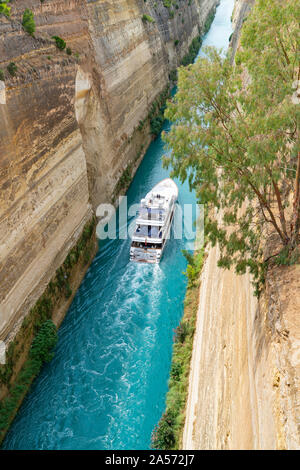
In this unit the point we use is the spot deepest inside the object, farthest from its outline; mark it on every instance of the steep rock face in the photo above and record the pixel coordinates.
(131, 64)
(241, 9)
(44, 188)
(244, 382)
(69, 123)
(244, 390)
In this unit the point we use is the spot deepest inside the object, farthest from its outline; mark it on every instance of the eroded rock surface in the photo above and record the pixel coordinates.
(70, 123)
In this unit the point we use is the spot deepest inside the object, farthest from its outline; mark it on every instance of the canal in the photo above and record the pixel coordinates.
(106, 386)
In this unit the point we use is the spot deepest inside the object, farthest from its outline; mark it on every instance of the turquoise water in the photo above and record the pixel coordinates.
(106, 386)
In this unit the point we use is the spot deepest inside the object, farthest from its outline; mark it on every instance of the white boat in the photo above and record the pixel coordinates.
(153, 223)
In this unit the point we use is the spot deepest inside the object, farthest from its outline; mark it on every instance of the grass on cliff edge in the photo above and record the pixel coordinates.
(167, 435)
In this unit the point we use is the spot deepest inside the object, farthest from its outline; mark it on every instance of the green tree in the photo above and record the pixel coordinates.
(12, 69)
(60, 43)
(147, 18)
(28, 22)
(236, 136)
(163, 435)
(44, 342)
(4, 8)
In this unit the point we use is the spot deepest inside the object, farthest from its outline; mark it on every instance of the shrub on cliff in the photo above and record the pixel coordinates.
(181, 332)
(194, 266)
(2, 77)
(193, 51)
(28, 22)
(40, 352)
(167, 434)
(44, 342)
(147, 18)
(12, 69)
(38, 322)
(4, 8)
(173, 75)
(60, 43)
(163, 435)
(156, 124)
(209, 20)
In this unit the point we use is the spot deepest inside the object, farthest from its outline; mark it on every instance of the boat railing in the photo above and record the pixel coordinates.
(148, 233)
(153, 214)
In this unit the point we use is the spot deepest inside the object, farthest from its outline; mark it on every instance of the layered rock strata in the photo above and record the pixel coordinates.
(70, 123)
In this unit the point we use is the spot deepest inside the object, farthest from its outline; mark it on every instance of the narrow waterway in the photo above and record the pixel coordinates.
(106, 386)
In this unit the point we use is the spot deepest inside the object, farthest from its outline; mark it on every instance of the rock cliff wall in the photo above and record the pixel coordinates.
(43, 178)
(131, 62)
(70, 123)
(244, 382)
(240, 12)
(244, 388)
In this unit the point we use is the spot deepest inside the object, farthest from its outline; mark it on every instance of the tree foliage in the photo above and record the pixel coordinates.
(12, 69)
(236, 136)
(4, 8)
(44, 342)
(28, 22)
(60, 43)
(163, 435)
(40, 352)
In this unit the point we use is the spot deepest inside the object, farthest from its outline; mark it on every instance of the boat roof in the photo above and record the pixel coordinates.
(160, 196)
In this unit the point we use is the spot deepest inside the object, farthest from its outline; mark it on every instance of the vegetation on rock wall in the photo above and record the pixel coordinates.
(156, 116)
(156, 119)
(5, 8)
(37, 337)
(124, 180)
(193, 51)
(168, 433)
(60, 43)
(127, 175)
(147, 19)
(210, 19)
(40, 352)
(197, 41)
(28, 22)
(12, 69)
(239, 144)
